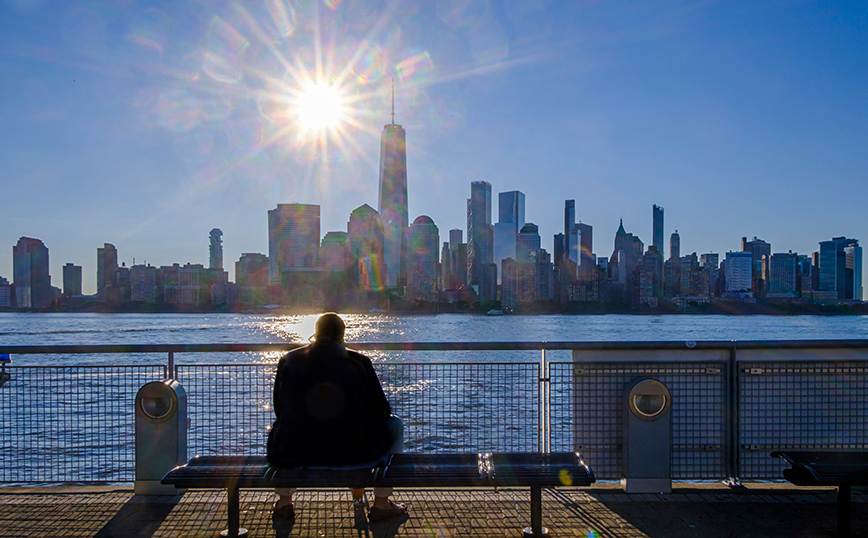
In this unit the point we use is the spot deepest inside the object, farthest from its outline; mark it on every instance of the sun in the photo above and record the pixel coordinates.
(320, 107)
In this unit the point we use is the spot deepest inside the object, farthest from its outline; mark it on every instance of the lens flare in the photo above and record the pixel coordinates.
(320, 107)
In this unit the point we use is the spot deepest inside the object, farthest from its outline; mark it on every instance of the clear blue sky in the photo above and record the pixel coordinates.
(147, 124)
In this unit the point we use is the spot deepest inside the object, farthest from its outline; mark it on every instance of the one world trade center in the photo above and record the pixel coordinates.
(393, 197)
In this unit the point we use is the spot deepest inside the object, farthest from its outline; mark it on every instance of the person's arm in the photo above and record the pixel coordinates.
(275, 398)
(377, 403)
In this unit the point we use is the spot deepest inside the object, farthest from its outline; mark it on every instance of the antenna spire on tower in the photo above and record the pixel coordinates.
(393, 100)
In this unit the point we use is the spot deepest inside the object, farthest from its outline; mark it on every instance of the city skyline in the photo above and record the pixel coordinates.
(741, 120)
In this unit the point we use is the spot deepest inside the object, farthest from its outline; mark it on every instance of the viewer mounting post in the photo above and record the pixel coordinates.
(5, 376)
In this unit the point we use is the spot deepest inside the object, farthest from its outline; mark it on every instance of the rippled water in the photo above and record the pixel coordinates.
(44, 329)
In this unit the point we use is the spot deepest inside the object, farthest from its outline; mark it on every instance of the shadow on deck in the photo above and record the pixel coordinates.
(692, 510)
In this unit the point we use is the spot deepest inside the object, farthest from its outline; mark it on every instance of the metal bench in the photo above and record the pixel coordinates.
(841, 469)
(400, 470)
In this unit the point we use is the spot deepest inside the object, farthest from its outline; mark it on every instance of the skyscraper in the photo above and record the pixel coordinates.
(675, 246)
(30, 274)
(215, 249)
(572, 245)
(293, 238)
(657, 238)
(106, 266)
(587, 261)
(480, 239)
(738, 271)
(366, 240)
(840, 267)
(422, 260)
(393, 195)
(510, 221)
(758, 248)
(71, 279)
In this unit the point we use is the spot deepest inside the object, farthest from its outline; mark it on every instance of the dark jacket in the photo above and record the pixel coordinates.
(330, 408)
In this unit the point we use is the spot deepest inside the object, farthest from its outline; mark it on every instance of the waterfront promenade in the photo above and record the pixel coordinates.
(692, 510)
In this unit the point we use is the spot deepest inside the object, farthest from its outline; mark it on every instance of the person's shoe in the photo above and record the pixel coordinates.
(286, 511)
(394, 510)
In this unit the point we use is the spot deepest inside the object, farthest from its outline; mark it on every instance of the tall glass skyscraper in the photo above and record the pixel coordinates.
(657, 236)
(30, 274)
(393, 197)
(510, 222)
(480, 237)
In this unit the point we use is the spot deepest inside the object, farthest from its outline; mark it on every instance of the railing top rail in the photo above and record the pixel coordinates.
(436, 346)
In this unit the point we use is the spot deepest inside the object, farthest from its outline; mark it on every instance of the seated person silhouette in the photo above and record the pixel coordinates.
(331, 411)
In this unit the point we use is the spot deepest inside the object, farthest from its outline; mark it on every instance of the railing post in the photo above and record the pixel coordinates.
(171, 365)
(544, 443)
(732, 424)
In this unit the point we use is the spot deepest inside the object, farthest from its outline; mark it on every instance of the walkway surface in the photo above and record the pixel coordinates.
(691, 510)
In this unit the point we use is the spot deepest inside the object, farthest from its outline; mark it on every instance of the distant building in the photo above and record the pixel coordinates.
(626, 257)
(758, 248)
(251, 278)
(293, 238)
(587, 260)
(840, 268)
(143, 284)
(5, 293)
(71, 279)
(510, 222)
(509, 284)
(480, 240)
(393, 198)
(251, 270)
(215, 249)
(177, 285)
(422, 260)
(575, 245)
(739, 267)
(365, 234)
(106, 266)
(30, 274)
(781, 272)
(456, 277)
(533, 270)
(123, 284)
(675, 246)
(334, 253)
(657, 236)
(710, 260)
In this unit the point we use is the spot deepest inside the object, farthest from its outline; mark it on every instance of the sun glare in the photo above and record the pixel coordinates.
(320, 107)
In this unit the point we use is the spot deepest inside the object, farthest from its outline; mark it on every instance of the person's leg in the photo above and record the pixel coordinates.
(396, 436)
(284, 497)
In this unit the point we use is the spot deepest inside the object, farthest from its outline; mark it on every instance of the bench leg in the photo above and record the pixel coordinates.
(234, 509)
(536, 528)
(844, 509)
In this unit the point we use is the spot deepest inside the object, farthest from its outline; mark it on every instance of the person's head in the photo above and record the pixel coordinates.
(329, 328)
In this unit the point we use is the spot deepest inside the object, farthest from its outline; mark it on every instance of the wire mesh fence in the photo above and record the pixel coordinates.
(445, 407)
(465, 407)
(796, 405)
(70, 423)
(587, 413)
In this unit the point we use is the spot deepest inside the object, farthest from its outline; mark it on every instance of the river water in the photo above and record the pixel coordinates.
(54, 329)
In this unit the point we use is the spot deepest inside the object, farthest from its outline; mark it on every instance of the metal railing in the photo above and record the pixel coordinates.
(733, 402)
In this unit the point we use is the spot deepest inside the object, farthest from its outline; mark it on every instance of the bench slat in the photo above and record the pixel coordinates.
(534, 469)
(434, 470)
(825, 468)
